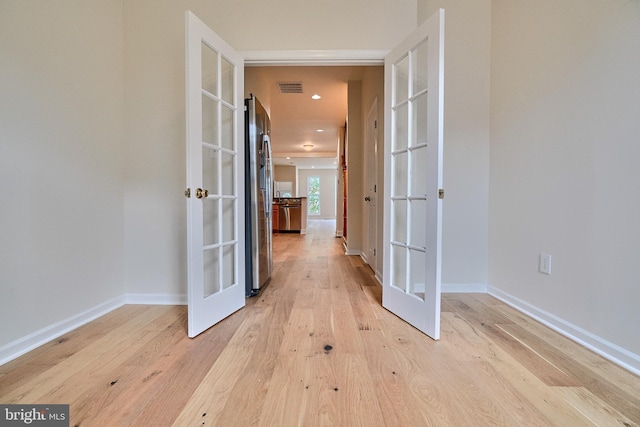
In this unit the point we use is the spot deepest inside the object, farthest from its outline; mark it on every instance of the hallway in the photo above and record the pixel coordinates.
(317, 348)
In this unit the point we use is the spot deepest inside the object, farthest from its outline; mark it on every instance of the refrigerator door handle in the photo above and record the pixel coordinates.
(266, 153)
(287, 219)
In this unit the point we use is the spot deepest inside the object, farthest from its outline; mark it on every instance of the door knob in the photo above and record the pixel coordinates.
(200, 193)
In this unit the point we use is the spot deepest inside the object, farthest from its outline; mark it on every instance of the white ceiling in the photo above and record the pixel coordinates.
(295, 118)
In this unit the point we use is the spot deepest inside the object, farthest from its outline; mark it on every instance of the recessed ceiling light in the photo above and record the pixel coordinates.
(315, 96)
(319, 130)
(288, 158)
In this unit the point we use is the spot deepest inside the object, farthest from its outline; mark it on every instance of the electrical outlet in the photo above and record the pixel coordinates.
(545, 264)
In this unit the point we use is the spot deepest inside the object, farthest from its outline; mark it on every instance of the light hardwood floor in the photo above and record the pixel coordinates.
(316, 348)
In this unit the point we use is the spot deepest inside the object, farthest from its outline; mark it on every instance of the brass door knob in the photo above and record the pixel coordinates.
(200, 193)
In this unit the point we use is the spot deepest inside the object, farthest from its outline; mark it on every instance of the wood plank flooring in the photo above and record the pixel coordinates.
(316, 348)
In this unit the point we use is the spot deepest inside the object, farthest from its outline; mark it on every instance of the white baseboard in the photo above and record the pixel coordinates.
(378, 277)
(34, 340)
(604, 348)
(363, 257)
(463, 288)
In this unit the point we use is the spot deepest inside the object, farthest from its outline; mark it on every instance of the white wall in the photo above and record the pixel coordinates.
(155, 207)
(328, 182)
(565, 144)
(466, 139)
(291, 24)
(61, 151)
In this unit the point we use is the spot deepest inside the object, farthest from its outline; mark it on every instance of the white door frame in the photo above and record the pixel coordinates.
(315, 57)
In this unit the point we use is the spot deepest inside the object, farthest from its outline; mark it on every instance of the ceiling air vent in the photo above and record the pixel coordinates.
(290, 87)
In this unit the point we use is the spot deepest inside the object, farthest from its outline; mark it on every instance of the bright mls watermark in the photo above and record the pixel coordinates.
(34, 415)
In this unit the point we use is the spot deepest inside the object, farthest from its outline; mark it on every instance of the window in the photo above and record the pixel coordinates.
(313, 195)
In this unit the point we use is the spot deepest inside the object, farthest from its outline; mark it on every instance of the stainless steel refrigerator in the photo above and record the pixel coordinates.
(259, 197)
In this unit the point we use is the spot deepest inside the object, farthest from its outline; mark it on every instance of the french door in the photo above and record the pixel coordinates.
(413, 177)
(414, 74)
(215, 171)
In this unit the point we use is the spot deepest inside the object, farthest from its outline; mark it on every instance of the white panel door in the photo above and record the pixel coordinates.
(414, 74)
(215, 174)
(371, 193)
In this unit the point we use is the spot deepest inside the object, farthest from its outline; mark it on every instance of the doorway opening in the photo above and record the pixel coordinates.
(318, 117)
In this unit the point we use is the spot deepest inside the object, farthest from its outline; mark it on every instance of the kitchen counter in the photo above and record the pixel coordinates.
(287, 200)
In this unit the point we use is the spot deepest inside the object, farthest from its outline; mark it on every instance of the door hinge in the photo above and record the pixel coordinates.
(187, 193)
(375, 124)
(374, 251)
(441, 193)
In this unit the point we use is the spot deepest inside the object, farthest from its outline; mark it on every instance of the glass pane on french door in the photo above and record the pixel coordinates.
(409, 160)
(219, 161)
